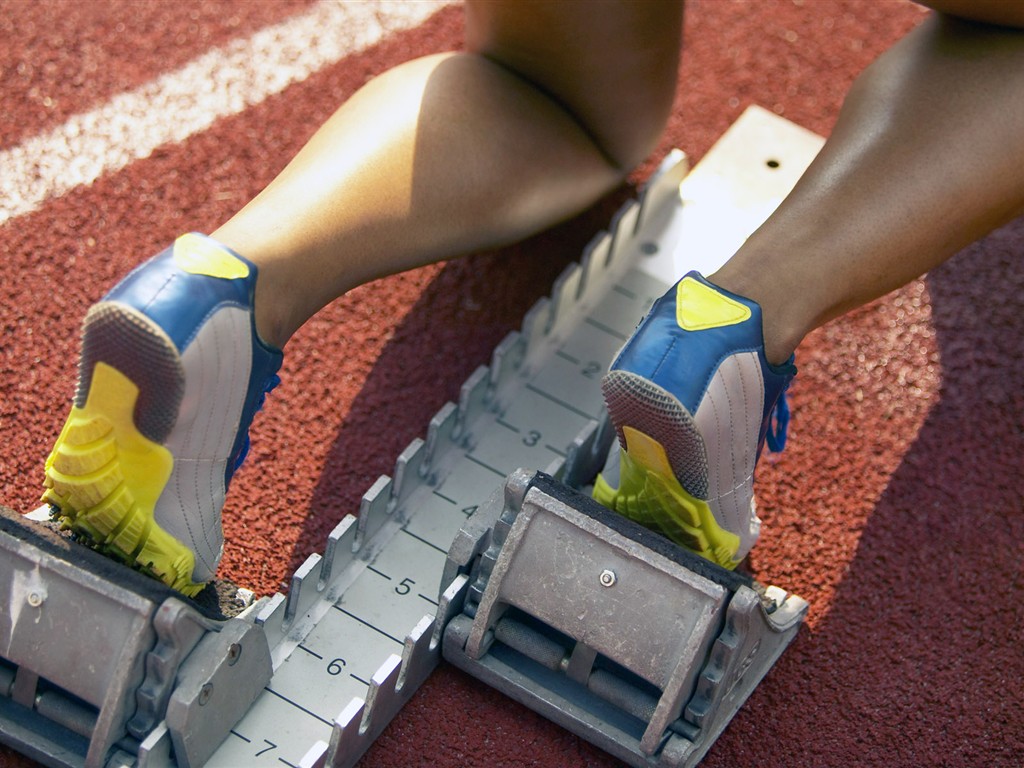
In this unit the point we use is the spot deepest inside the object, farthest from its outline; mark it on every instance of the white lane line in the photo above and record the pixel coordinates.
(176, 105)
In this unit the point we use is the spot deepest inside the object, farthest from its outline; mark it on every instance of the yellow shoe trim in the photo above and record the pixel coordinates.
(200, 256)
(105, 477)
(647, 452)
(700, 307)
(649, 494)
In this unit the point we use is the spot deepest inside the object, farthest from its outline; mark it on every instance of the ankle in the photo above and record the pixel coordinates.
(780, 333)
(778, 346)
(271, 324)
(270, 308)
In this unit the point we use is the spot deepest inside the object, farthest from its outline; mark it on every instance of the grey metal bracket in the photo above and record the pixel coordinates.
(613, 632)
(97, 657)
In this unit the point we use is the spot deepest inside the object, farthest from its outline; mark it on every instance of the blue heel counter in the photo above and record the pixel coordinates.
(681, 361)
(179, 301)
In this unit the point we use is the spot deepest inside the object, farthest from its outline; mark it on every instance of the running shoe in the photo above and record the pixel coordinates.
(171, 374)
(693, 400)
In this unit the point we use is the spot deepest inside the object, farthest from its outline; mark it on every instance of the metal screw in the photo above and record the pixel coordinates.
(35, 599)
(607, 578)
(204, 694)
(234, 653)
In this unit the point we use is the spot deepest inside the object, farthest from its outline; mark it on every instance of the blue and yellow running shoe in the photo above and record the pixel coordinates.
(693, 400)
(171, 374)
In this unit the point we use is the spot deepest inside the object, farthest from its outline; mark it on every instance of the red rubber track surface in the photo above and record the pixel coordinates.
(897, 510)
(61, 58)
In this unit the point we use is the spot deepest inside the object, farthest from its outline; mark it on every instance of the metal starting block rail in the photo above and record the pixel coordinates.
(601, 626)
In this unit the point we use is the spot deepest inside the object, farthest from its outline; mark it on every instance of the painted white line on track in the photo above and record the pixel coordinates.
(179, 104)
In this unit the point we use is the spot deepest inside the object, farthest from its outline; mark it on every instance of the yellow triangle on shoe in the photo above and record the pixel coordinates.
(200, 256)
(699, 307)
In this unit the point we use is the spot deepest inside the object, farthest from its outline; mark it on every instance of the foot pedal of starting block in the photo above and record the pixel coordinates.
(103, 667)
(613, 632)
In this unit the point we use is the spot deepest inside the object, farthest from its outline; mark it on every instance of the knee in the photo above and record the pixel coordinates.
(612, 65)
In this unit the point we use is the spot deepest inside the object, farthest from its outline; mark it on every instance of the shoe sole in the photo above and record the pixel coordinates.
(663, 456)
(109, 466)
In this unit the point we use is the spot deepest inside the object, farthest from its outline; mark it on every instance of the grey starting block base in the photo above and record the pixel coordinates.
(609, 630)
(101, 667)
(97, 659)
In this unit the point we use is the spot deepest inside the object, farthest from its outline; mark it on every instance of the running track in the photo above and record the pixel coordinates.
(897, 510)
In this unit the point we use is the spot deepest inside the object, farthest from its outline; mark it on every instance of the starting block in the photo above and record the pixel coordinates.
(512, 574)
(103, 664)
(613, 632)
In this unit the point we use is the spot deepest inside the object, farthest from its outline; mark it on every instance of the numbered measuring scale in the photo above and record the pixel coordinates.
(541, 393)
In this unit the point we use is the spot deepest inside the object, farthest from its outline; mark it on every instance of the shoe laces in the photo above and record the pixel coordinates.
(270, 384)
(778, 425)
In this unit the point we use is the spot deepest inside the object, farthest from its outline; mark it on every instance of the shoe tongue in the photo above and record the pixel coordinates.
(269, 385)
(778, 425)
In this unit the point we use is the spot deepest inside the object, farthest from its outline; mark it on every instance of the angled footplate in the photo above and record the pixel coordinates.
(606, 628)
(102, 667)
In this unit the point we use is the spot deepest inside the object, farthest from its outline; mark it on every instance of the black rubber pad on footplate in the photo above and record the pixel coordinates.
(52, 542)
